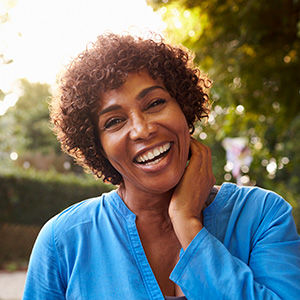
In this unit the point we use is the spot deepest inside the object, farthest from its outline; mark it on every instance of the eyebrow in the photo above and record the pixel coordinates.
(146, 91)
(140, 96)
(108, 109)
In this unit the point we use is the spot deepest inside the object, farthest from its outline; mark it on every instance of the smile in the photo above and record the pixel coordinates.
(154, 155)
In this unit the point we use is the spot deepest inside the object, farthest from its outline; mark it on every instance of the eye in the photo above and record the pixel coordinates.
(156, 103)
(111, 123)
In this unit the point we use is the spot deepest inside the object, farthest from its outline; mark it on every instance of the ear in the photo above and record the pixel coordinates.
(192, 129)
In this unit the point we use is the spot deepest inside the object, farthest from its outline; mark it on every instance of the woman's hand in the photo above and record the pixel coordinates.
(185, 209)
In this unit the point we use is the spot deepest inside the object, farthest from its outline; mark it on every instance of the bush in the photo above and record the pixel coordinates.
(31, 197)
(16, 245)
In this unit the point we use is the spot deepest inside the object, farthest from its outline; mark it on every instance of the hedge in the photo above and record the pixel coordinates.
(32, 197)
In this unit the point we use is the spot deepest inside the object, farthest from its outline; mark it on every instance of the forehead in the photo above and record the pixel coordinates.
(133, 87)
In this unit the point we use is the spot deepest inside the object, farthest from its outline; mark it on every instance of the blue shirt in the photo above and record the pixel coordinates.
(248, 249)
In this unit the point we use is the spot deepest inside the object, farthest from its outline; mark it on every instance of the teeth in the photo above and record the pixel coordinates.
(150, 155)
(154, 162)
(140, 159)
(153, 153)
(156, 152)
(166, 146)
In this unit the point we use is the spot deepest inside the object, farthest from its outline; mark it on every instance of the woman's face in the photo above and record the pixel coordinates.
(144, 134)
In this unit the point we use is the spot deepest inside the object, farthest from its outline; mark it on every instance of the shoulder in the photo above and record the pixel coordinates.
(253, 196)
(253, 205)
(252, 214)
(259, 208)
(78, 215)
(63, 234)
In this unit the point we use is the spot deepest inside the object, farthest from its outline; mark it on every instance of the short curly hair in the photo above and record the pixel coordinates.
(104, 66)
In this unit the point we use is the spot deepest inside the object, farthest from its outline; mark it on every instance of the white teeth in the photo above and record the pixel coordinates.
(153, 153)
(150, 155)
(156, 152)
(154, 162)
(139, 159)
(166, 146)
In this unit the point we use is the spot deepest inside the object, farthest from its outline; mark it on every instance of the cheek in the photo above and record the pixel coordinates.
(109, 148)
(103, 146)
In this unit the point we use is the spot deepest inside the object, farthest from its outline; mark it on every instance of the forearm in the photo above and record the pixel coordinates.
(207, 270)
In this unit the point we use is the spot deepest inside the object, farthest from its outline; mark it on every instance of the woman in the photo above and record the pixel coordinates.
(125, 110)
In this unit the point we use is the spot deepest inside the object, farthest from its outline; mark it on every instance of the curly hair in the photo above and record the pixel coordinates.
(104, 66)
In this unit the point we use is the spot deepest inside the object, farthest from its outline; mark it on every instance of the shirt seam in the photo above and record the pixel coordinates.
(141, 269)
(57, 257)
(131, 226)
(117, 210)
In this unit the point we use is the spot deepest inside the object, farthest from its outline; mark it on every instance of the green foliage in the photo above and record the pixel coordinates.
(33, 197)
(249, 48)
(28, 122)
(251, 51)
(16, 244)
(25, 129)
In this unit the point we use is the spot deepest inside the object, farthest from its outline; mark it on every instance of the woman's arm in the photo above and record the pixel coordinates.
(208, 270)
(43, 277)
(185, 209)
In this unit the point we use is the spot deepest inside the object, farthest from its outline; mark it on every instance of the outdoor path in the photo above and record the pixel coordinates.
(12, 285)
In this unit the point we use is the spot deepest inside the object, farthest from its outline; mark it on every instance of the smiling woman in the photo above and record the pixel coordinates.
(125, 110)
(105, 67)
(143, 120)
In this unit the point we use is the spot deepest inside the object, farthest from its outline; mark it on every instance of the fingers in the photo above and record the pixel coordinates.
(194, 187)
(201, 161)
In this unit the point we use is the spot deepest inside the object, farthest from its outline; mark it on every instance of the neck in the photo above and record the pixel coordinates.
(149, 208)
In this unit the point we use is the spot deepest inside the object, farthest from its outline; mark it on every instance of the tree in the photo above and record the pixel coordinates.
(28, 121)
(250, 49)
(25, 130)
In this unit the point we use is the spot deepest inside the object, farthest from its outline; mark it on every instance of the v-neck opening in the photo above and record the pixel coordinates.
(146, 271)
(147, 274)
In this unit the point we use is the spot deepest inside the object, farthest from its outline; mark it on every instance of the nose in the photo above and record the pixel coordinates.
(141, 127)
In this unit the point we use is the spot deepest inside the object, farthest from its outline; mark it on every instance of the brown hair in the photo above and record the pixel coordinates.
(105, 66)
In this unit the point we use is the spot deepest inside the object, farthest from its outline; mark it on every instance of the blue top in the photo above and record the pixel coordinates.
(248, 249)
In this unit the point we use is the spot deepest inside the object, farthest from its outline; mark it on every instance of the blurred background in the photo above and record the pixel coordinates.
(249, 48)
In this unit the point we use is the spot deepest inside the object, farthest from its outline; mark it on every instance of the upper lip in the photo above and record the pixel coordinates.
(149, 148)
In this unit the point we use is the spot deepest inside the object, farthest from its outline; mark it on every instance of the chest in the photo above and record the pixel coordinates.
(162, 255)
(116, 264)
(112, 259)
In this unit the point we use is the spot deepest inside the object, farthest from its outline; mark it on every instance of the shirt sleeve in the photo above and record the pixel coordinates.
(44, 277)
(207, 270)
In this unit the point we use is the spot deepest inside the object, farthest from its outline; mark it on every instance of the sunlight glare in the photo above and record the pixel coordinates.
(42, 36)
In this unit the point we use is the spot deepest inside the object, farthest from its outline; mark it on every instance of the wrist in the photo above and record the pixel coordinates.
(186, 228)
(186, 217)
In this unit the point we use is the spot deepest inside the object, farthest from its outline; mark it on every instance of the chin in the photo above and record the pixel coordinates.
(164, 186)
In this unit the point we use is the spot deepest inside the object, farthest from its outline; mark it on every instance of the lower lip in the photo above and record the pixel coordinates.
(161, 164)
